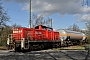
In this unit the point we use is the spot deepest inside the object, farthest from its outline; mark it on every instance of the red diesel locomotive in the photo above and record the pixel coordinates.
(33, 38)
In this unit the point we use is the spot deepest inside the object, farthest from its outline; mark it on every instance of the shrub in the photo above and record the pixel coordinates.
(88, 40)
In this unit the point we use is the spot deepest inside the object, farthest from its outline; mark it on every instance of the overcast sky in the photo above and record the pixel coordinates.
(63, 12)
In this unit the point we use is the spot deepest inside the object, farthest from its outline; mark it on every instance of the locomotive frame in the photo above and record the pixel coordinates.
(33, 38)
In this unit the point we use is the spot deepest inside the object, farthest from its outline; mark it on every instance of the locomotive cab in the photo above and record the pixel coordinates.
(40, 27)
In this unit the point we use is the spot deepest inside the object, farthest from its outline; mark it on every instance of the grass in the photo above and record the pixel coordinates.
(3, 43)
(87, 47)
(71, 48)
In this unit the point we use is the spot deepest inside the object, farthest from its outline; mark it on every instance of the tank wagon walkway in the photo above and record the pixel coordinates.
(46, 55)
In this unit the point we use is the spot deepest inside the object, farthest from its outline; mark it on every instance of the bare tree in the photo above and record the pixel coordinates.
(70, 28)
(39, 20)
(3, 19)
(74, 27)
(88, 31)
(6, 31)
(88, 28)
(3, 16)
(15, 26)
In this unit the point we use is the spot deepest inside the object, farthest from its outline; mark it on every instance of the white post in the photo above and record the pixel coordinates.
(7, 41)
(22, 43)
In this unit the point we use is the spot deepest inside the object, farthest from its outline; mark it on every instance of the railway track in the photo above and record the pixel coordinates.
(46, 55)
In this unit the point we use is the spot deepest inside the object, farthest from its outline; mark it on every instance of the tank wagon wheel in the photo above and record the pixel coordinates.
(58, 45)
(66, 44)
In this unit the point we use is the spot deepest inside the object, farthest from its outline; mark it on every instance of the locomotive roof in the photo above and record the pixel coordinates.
(42, 27)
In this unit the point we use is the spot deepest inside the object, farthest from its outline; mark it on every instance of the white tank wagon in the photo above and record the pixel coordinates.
(72, 37)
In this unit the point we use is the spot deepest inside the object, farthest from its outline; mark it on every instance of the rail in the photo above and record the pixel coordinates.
(51, 55)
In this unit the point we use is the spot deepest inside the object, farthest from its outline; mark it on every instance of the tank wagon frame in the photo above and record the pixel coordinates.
(33, 38)
(71, 37)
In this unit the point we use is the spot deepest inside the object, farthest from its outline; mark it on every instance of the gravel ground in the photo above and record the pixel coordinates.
(46, 55)
(3, 48)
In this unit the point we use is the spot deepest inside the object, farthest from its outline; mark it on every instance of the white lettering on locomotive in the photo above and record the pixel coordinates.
(17, 31)
(38, 32)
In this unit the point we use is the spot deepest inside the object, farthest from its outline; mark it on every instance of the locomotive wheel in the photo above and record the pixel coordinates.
(39, 47)
(31, 48)
(59, 45)
(42, 46)
(17, 47)
(7, 47)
